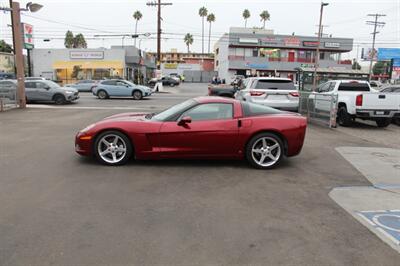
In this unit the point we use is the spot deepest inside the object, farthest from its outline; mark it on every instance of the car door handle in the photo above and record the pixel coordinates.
(382, 96)
(239, 123)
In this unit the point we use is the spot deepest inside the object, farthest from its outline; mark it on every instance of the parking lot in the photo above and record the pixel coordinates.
(59, 208)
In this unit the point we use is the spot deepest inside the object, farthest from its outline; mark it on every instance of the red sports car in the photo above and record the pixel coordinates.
(204, 127)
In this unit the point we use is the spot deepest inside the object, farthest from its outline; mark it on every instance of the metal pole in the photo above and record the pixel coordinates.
(373, 48)
(316, 56)
(159, 35)
(19, 58)
(28, 57)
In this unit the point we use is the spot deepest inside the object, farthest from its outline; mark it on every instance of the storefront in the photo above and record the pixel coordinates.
(69, 65)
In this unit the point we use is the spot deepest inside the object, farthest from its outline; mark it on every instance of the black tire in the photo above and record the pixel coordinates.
(137, 95)
(396, 121)
(102, 94)
(254, 141)
(129, 148)
(344, 119)
(383, 122)
(172, 84)
(59, 99)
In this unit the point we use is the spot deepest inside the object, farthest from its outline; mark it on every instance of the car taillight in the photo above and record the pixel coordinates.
(256, 93)
(294, 94)
(359, 100)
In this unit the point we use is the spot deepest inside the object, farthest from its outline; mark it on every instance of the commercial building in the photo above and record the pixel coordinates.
(245, 51)
(69, 65)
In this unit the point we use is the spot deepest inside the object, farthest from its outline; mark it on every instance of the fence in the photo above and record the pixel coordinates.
(319, 107)
(8, 97)
(199, 76)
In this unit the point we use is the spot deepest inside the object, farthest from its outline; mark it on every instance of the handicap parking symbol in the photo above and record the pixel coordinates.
(387, 222)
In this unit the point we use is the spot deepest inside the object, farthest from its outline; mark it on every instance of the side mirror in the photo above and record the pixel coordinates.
(185, 120)
(47, 88)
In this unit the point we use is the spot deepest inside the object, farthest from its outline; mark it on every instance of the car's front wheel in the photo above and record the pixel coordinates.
(137, 95)
(102, 94)
(59, 99)
(265, 151)
(112, 148)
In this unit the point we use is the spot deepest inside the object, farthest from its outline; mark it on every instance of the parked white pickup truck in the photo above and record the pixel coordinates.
(356, 99)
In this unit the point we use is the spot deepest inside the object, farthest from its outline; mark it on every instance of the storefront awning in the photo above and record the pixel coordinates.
(88, 64)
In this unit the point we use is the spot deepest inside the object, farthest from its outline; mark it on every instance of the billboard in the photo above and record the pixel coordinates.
(388, 53)
(367, 54)
(27, 31)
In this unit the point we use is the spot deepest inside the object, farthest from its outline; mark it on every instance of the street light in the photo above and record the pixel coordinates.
(316, 56)
(17, 40)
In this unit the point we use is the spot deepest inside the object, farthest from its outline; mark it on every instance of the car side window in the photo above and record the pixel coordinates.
(210, 111)
(332, 86)
(30, 85)
(109, 82)
(40, 85)
(121, 83)
(324, 87)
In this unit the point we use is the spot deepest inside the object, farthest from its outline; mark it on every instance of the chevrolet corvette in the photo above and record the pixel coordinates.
(199, 128)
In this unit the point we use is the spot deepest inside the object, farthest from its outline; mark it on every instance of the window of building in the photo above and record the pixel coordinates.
(216, 63)
(321, 55)
(255, 52)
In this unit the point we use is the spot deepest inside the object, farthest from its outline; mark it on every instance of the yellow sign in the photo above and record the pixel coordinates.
(104, 64)
(170, 66)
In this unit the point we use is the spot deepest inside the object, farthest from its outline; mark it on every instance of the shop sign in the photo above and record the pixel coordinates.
(291, 41)
(170, 66)
(388, 53)
(332, 45)
(270, 40)
(310, 43)
(257, 66)
(86, 54)
(28, 35)
(248, 40)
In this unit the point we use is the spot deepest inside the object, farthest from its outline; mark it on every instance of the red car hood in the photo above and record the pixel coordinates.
(127, 117)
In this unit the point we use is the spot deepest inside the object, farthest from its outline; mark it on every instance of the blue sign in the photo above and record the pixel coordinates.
(387, 222)
(257, 66)
(388, 53)
(396, 62)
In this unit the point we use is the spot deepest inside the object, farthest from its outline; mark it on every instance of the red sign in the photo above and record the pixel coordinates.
(28, 35)
(291, 41)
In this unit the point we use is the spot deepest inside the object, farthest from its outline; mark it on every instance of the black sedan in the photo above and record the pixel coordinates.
(166, 81)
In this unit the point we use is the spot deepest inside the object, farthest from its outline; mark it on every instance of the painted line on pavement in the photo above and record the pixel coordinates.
(94, 107)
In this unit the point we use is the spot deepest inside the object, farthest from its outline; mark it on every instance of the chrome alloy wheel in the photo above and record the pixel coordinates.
(112, 148)
(266, 151)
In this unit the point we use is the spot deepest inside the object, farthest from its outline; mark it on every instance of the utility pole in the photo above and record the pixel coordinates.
(376, 24)
(316, 56)
(158, 4)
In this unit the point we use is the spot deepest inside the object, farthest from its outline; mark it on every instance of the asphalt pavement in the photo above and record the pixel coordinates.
(58, 208)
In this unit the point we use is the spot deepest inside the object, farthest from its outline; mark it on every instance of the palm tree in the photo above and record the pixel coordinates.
(246, 15)
(264, 17)
(188, 41)
(203, 13)
(137, 16)
(210, 19)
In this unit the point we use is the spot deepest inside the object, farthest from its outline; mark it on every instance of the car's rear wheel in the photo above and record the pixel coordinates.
(172, 84)
(112, 148)
(137, 95)
(59, 99)
(383, 122)
(102, 94)
(265, 151)
(344, 119)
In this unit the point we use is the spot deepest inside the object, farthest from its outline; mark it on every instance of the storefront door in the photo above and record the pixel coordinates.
(291, 57)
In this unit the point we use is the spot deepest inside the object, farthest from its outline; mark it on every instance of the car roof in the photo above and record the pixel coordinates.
(214, 99)
(269, 78)
(350, 81)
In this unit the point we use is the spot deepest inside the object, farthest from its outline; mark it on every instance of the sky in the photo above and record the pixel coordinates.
(344, 18)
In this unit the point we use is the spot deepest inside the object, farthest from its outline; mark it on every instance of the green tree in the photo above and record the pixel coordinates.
(210, 19)
(5, 47)
(202, 13)
(188, 41)
(246, 16)
(69, 40)
(264, 17)
(379, 68)
(137, 16)
(355, 65)
(79, 41)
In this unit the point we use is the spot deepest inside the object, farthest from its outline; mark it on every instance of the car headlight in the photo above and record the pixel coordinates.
(69, 92)
(86, 129)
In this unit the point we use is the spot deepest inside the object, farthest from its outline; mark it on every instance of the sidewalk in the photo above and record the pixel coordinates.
(376, 207)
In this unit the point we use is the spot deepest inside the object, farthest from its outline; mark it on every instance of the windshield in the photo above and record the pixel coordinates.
(52, 84)
(130, 83)
(173, 111)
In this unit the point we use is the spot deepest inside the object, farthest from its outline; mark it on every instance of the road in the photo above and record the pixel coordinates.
(61, 209)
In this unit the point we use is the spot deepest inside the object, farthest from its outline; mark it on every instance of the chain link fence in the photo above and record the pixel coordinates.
(321, 108)
(8, 97)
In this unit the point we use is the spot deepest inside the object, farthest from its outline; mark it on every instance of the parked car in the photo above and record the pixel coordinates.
(83, 85)
(204, 127)
(6, 76)
(278, 93)
(222, 90)
(166, 81)
(34, 78)
(8, 90)
(120, 88)
(393, 89)
(43, 91)
(236, 80)
(357, 100)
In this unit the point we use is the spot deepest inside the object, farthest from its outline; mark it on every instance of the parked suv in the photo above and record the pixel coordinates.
(120, 88)
(83, 85)
(279, 93)
(43, 91)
